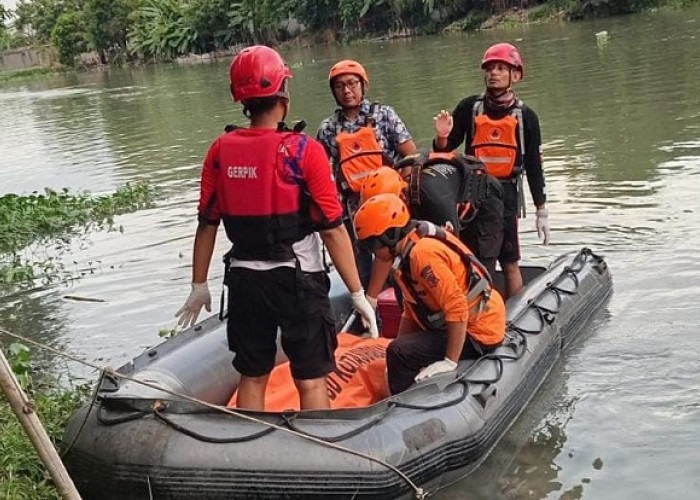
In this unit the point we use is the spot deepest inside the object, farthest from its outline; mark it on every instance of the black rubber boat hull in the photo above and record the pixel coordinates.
(139, 443)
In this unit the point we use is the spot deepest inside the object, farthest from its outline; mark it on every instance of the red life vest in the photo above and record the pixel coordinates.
(360, 152)
(262, 194)
(498, 142)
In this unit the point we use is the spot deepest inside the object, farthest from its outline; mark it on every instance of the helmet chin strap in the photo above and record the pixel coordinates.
(285, 103)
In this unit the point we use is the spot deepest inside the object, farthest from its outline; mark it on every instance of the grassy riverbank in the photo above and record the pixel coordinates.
(22, 475)
(165, 30)
(23, 74)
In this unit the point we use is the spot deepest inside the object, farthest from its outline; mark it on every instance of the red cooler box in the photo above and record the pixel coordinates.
(389, 313)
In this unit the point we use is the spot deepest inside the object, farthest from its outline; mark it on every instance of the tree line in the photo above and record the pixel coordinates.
(121, 30)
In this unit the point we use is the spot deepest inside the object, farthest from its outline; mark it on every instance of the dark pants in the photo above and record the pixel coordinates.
(484, 233)
(410, 353)
(284, 297)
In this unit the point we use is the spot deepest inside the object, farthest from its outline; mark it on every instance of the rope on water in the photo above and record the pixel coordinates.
(106, 370)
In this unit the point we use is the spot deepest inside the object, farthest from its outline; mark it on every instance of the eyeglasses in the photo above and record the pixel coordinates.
(350, 84)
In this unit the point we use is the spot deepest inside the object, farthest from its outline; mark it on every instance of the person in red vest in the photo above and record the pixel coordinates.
(504, 133)
(451, 310)
(272, 189)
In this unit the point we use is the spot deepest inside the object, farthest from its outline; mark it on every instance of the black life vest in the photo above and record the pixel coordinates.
(473, 188)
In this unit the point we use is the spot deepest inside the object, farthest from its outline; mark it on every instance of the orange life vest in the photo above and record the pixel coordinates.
(360, 152)
(498, 142)
(358, 380)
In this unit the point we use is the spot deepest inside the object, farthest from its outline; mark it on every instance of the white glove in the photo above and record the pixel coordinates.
(542, 224)
(364, 307)
(372, 301)
(443, 124)
(444, 366)
(199, 296)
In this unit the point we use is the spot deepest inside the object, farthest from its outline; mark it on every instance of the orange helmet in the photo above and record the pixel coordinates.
(504, 52)
(380, 220)
(383, 180)
(348, 67)
(258, 71)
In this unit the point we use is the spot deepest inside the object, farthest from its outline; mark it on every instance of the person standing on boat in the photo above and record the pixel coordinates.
(272, 188)
(450, 309)
(499, 129)
(359, 137)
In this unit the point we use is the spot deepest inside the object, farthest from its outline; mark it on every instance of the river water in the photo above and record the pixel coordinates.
(620, 415)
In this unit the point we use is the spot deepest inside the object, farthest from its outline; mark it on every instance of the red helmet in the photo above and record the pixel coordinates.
(348, 67)
(258, 71)
(504, 52)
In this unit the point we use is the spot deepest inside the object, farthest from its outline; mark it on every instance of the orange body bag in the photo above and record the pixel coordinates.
(358, 380)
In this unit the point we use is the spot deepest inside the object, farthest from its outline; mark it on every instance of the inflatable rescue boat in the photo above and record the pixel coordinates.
(158, 442)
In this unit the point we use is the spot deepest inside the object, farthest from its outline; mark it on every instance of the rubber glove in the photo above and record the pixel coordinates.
(444, 366)
(542, 224)
(443, 124)
(369, 317)
(199, 296)
(372, 301)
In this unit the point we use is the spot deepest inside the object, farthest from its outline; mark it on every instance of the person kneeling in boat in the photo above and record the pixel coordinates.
(450, 309)
(272, 188)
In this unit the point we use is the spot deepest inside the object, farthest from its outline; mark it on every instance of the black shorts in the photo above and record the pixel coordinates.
(510, 249)
(295, 301)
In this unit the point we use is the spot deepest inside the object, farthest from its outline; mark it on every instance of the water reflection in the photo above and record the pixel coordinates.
(527, 462)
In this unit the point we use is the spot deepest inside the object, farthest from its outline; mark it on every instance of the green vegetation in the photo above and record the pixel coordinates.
(22, 475)
(26, 73)
(68, 37)
(164, 29)
(36, 229)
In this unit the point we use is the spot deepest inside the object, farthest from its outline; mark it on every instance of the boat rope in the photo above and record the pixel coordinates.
(109, 371)
(516, 340)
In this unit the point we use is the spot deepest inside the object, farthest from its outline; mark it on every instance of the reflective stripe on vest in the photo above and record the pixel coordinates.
(479, 280)
(497, 142)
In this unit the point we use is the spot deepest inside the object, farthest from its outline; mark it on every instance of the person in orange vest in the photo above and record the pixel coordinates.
(359, 137)
(272, 189)
(451, 310)
(499, 129)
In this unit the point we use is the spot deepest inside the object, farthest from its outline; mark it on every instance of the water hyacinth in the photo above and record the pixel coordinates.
(31, 225)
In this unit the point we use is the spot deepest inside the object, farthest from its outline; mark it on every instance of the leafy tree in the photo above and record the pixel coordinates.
(4, 32)
(37, 18)
(160, 30)
(68, 36)
(259, 21)
(209, 19)
(107, 23)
